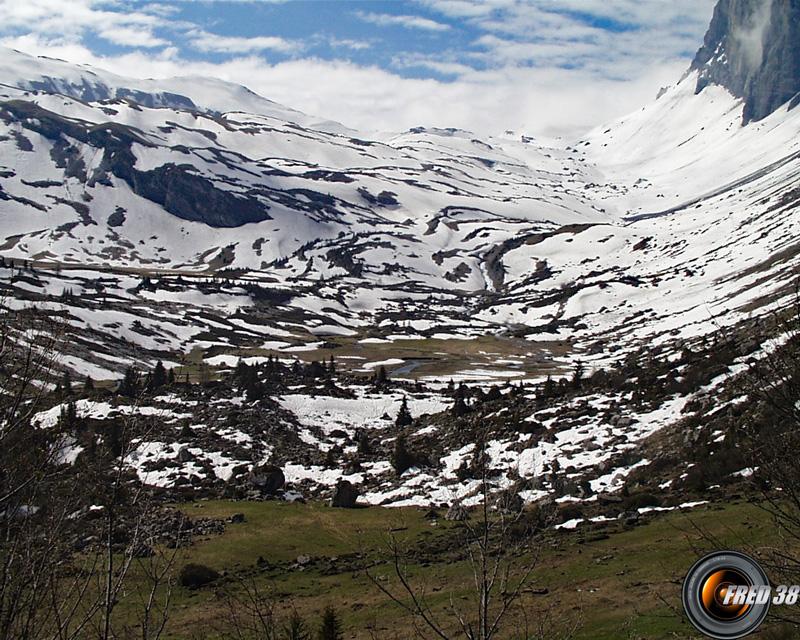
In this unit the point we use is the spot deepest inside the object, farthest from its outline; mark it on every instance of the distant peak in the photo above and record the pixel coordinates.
(752, 48)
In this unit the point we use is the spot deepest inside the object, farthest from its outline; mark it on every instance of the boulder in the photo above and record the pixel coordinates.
(267, 477)
(344, 495)
(510, 502)
(457, 512)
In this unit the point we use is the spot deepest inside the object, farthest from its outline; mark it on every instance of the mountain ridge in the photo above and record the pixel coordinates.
(752, 48)
(596, 241)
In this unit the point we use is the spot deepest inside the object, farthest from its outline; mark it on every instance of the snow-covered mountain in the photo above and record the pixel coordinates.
(193, 221)
(665, 223)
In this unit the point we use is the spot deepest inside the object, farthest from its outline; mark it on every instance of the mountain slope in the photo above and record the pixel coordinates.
(232, 229)
(665, 223)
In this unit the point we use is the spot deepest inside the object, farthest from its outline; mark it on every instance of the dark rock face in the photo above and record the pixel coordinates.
(177, 188)
(97, 91)
(268, 478)
(752, 48)
(344, 495)
(191, 197)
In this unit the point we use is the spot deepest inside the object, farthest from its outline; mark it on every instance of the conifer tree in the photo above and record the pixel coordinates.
(68, 417)
(88, 385)
(66, 383)
(251, 385)
(129, 386)
(295, 628)
(158, 377)
(577, 375)
(330, 628)
(404, 415)
(402, 458)
(493, 393)
(460, 407)
(364, 446)
(549, 388)
(380, 376)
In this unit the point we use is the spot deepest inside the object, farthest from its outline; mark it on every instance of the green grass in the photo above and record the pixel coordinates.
(616, 579)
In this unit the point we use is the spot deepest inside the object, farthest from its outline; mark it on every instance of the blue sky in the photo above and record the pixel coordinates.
(548, 67)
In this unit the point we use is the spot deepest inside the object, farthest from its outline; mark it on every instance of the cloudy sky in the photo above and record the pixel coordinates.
(543, 67)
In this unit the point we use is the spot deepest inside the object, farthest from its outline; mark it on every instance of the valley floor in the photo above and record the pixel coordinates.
(615, 581)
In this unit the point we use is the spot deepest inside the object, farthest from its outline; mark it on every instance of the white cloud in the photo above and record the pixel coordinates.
(407, 21)
(611, 38)
(73, 19)
(131, 37)
(349, 43)
(211, 42)
(538, 66)
(445, 66)
(530, 100)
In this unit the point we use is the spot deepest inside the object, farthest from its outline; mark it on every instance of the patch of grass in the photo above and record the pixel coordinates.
(623, 581)
(438, 357)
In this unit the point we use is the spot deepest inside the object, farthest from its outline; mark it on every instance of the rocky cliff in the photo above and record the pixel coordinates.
(752, 48)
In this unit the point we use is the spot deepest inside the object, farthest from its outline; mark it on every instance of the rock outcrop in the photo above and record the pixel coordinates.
(345, 495)
(752, 48)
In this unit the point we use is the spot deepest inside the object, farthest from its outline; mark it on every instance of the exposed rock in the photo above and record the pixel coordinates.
(457, 513)
(267, 477)
(344, 495)
(194, 576)
(752, 48)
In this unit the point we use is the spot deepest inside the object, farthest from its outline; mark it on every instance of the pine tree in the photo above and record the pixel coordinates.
(251, 385)
(129, 386)
(460, 407)
(331, 461)
(295, 628)
(364, 446)
(577, 375)
(402, 458)
(331, 367)
(297, 368)
(171, 377)
(158, 377)
(88, 385)
(404, 415)
(68, 417)
(330, 628)
(493, 393)
(239, 372)
(112, 438)
(380, 376)
(66, 383)
(549, 388)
